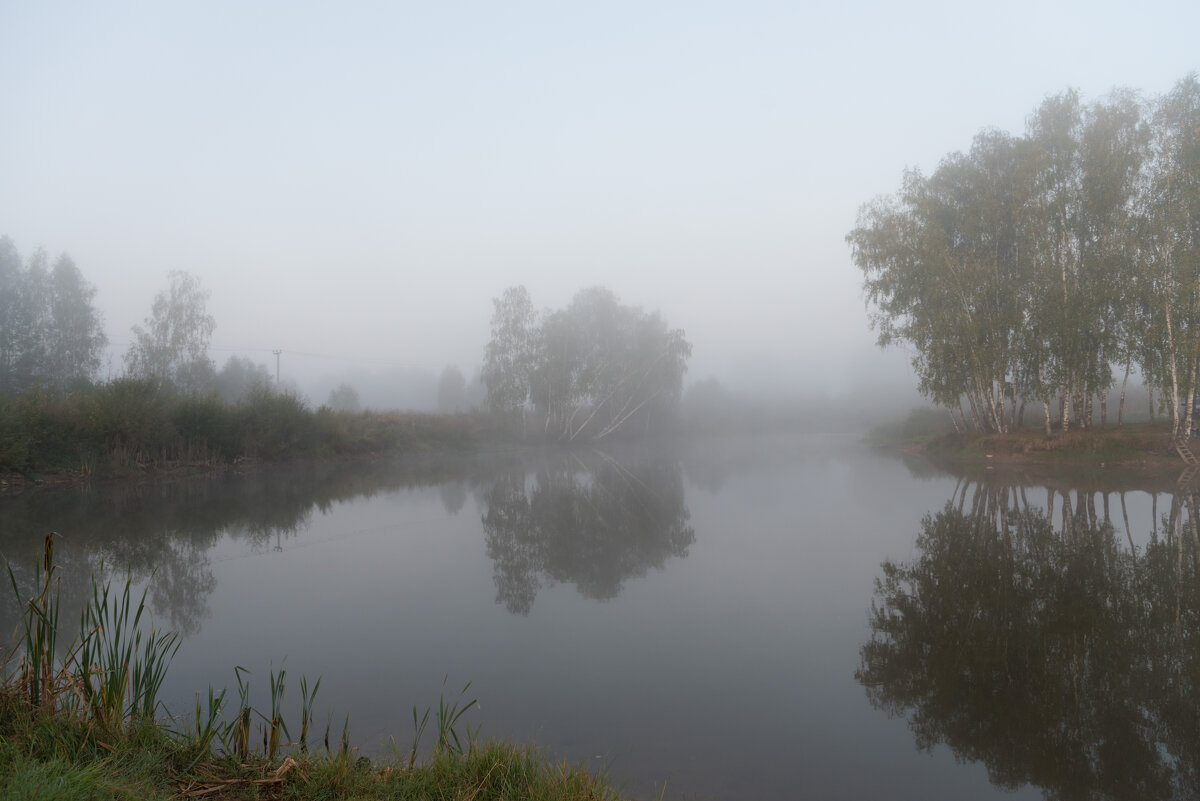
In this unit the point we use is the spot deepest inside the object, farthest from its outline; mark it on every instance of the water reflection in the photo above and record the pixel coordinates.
(161, 534)
(1046, 646)
(593, 522)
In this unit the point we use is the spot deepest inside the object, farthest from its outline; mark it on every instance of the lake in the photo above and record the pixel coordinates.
(769, 618)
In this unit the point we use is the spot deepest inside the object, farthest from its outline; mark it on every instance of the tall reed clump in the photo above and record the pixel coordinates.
(35, 675)
(110, 675)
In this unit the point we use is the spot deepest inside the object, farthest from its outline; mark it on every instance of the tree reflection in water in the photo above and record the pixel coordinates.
(593, 522)
(161, 534)
(590, 520)
(1059, 656)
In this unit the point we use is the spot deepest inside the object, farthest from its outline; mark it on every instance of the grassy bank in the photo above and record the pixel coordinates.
(1134, 452)
(82, 720)
(1141, 443)
(127, 426)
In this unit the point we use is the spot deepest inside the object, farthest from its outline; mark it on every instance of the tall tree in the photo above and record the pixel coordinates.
(74, 338)
(1169, 249)
(51, 335)
(601, 366)
(16, 322)
(1023, 269)
(172, 349)
(944, 270)
(591, 369)
(508, 357)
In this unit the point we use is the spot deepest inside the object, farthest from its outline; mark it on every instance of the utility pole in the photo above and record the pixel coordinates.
(277, 352)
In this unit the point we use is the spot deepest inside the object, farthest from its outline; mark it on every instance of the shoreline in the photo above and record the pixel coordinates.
(1140, 455)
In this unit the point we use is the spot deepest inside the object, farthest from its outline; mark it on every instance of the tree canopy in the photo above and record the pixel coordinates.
(1030, 266)
(51, 335)
(172, 348)
(589, 370)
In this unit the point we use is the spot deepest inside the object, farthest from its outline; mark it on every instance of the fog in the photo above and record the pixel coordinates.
(355, 186)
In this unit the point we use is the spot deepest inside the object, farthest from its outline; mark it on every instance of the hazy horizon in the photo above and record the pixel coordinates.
(354, 187)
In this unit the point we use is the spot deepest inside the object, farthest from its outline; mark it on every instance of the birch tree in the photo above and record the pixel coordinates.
(172, 349)
(1170, 247)
(942, 270)
(508, 357)
(590, 370)
(51, 336)
(1013, 269)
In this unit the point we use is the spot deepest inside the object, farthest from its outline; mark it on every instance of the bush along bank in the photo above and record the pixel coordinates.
(82, 720)
(128, 425)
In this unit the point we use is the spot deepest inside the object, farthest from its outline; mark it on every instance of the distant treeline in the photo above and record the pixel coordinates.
(1037, 267)
(171, 405)
(130, 424)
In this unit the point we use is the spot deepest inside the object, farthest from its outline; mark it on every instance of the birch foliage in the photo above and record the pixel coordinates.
(589, 370)
(1026, 268)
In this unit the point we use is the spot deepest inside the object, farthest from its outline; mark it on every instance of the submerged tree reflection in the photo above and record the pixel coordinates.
(594, 523)
(1057, 656)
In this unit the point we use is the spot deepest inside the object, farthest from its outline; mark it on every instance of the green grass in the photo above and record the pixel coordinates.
(82, 721)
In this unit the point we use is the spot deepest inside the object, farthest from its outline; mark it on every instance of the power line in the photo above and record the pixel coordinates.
(115, 344)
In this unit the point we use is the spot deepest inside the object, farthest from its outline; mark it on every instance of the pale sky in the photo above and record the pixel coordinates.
(355, 182)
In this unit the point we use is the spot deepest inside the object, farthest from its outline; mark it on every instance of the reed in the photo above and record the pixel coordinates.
(418, 732)
(448, 718)
(275, 724)
(111, 674)
(119, 668)
(235, 736)
(306, 709)
(36, 673)
(206, 725)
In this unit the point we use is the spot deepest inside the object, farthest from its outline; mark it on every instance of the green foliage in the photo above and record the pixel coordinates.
(448, 717)
(590, 370)
(1030, 266)
(508, 357)
(36, 675)
(110, 675)
(273, 426)
(171, 350)
(119, 668)
(51, 337)
(130, 424)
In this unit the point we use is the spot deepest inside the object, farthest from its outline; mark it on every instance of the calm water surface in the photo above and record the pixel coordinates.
(708, 619)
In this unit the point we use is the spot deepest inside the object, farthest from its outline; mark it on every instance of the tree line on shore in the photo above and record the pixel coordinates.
(592, 370)
(171, 404)
(1036, 268)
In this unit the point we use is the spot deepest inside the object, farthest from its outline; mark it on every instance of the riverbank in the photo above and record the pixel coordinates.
(57, 757)
(84, 722)
(1139, 453)
(128, 430)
